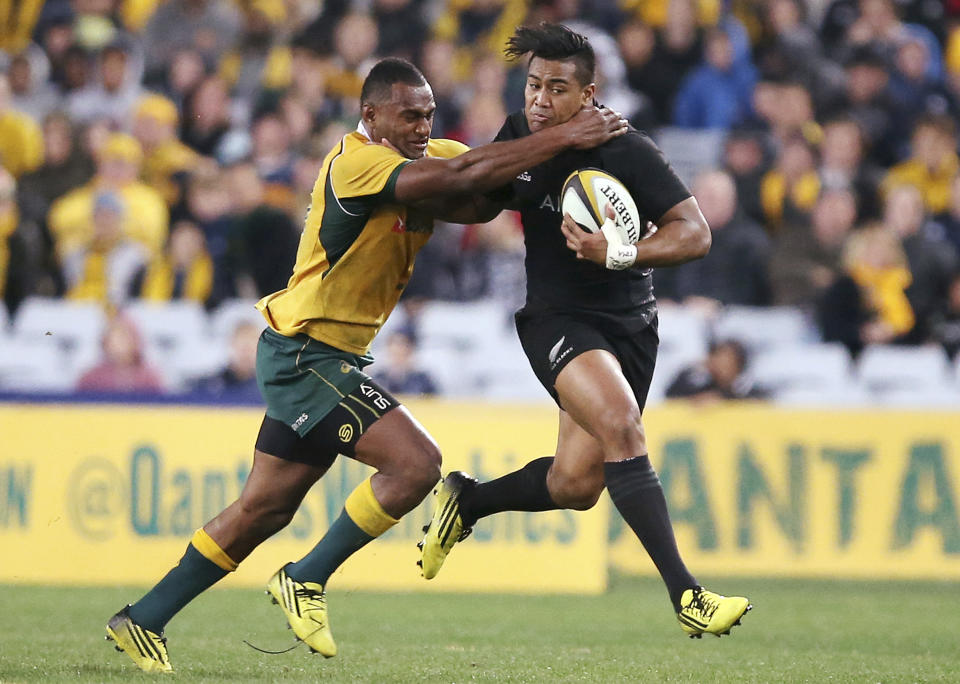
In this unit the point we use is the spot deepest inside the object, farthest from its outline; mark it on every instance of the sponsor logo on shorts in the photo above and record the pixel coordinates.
(345, 433)
(380, 401)
(344, 367)
(299, 421)
(525, 176)
(556, 356)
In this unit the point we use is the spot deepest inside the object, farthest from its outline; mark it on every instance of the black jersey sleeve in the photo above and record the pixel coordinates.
(644, 169)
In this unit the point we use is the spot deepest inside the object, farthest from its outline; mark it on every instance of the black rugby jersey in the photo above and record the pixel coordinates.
(556, 279)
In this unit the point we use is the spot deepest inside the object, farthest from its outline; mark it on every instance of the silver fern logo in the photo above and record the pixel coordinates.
(552, 356)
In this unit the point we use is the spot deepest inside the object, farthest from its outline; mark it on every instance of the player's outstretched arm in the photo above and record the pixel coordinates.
(491, 166)
(682, 235)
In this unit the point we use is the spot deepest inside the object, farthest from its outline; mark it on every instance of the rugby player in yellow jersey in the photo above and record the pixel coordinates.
(372, 209)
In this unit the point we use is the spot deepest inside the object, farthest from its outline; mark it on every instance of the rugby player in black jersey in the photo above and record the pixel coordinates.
(589, 330)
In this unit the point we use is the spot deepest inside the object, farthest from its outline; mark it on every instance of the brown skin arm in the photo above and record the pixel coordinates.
(465, 209)
(682, 235)
(490, 166)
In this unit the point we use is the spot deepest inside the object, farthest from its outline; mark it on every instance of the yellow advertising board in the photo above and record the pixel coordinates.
(111, 495)
(756, 490)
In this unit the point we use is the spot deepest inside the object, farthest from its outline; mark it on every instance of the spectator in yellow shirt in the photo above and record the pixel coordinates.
(146, 218)
(155, 127)
(933, 163)
(21, 142)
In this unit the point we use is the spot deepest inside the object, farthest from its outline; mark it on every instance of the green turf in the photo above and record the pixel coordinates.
(800, 631)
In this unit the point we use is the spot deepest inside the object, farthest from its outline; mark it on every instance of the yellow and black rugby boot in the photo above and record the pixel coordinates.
(446, 526)
(146, 649)
(705, 612)
(305, 606)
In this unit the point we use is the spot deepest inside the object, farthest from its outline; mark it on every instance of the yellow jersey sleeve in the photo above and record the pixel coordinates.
(366, 172)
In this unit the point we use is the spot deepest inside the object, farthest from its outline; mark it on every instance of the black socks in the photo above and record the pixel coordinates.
(636, 492)
(521, 490)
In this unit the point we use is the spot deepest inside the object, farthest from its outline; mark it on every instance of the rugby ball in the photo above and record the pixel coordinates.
(587, 193)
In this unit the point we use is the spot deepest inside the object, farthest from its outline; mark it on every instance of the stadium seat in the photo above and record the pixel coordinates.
(227, 315)
(34, 365)
(69, 323)
(171, 332)
(683, 341)
(886, 368)
(501, 372)
(759, 328)
(690, 151)
(470, 325)
(76, 328)
(813, 367)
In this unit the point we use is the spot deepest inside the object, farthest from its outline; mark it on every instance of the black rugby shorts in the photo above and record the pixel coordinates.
(551, 340)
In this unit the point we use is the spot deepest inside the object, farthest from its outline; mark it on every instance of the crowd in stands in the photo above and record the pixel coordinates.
(165, 150)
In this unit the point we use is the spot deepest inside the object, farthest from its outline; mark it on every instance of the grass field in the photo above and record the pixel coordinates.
(799, 631)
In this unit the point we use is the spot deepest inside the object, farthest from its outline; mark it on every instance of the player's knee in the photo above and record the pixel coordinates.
(424, 469)
(576, 493)
(619, 427)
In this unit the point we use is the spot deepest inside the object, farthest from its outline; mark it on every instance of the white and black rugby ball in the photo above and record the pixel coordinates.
(587, 193)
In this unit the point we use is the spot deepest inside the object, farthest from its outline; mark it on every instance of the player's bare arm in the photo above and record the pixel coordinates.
(490, 166)
(682, 235)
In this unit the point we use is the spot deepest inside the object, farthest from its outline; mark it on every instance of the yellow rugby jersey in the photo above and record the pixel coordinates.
(357, 249)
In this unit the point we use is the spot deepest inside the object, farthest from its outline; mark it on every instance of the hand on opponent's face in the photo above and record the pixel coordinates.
(593, 126)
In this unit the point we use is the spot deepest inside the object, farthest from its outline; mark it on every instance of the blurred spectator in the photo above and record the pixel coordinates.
(806, 256)
(238, 381)
(735, 270)
(401, 25)
(264, 243)
(718, 377)
(208, 117)
(21, 142)
(184, 73)
(183, 272)
(208, 26)
(65, 167)
(15, 272)
(932, 261)
(914, 89)
(868, 304)
(948, 222)
(114, 93)
(400, 373)
(273, 158)
(843, 166)
(76, 70)
(789, 190)
(145, 219)
(19, 20)
(945, 325)
(122, 367)
(355, 43)
(438, 68)
(258, 60)
(32, 96)
(155, 125)
(933, 163)
(716, 94)
(880, 24)
(103, 269)
(746, 157)
(868, 101)
(209, 207)
(789, 48)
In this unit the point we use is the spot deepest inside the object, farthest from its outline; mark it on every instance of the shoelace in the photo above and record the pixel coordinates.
(315, 600)
(705, 604)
